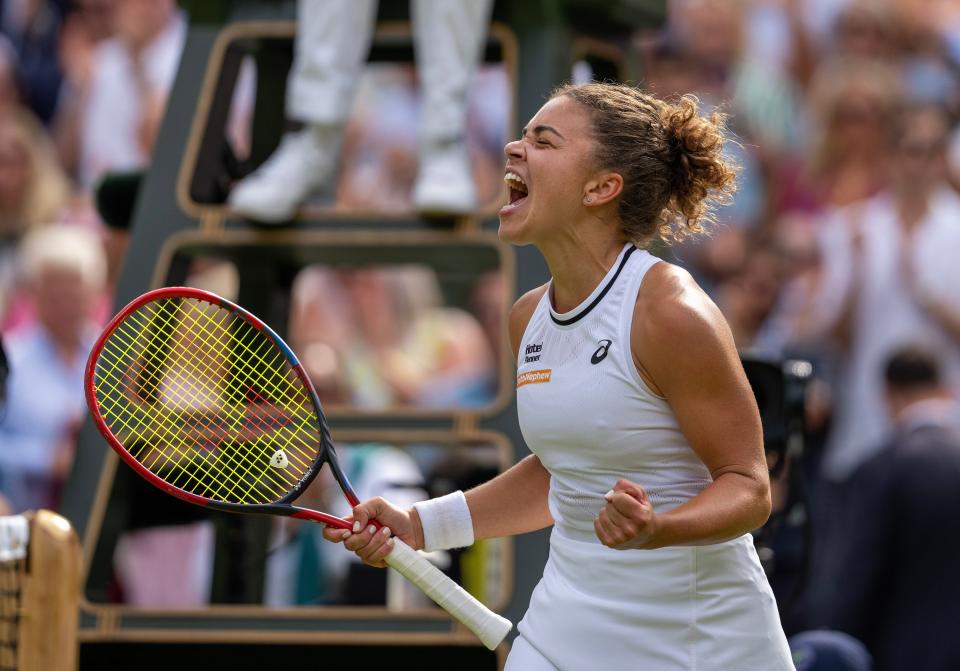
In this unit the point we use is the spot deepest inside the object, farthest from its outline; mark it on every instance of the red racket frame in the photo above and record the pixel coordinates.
(326, 454)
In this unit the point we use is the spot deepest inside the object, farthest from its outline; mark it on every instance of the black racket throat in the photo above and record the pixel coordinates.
(280, 510)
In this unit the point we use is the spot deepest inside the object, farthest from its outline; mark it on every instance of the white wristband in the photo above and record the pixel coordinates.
(446, 522)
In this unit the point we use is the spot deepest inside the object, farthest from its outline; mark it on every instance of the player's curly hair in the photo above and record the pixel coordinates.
(669, 155)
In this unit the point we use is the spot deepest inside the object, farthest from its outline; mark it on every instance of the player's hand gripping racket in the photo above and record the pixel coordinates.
(206, 402)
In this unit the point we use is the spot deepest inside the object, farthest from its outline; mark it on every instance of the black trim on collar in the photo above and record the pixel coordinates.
(596, 301)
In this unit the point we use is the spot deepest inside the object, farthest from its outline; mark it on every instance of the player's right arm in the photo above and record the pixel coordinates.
(514, 502)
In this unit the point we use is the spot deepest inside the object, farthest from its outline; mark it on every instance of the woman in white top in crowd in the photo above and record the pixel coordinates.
(647, 451)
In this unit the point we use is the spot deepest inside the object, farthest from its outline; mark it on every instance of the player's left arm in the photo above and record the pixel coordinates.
(683, 347)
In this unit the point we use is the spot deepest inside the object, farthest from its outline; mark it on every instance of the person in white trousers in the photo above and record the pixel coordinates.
(332, 43)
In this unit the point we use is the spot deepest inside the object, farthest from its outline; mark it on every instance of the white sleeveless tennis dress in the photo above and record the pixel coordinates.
(587, 414)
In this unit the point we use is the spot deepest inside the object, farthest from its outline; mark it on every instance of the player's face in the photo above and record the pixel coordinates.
(546, 171)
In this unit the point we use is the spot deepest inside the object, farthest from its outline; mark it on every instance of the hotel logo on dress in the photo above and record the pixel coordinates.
(534, 377)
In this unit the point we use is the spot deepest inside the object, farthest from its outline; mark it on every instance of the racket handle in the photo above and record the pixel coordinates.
(489, 627)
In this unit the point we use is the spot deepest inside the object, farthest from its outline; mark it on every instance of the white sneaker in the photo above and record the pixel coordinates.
(445, 181)
(302, 163)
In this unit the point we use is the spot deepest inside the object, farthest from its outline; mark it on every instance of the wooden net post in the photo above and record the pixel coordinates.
(50, 596)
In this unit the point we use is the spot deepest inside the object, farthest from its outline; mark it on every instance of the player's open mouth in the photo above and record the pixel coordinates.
(518, 191)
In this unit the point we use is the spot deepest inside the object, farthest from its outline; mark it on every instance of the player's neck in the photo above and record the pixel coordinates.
(577, 266)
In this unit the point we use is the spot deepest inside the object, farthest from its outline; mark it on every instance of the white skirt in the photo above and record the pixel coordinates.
(700, 608)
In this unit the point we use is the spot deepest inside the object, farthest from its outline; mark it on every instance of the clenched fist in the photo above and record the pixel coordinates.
(627, 521)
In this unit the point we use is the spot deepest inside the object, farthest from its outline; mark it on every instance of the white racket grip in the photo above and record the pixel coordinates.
(489, 627)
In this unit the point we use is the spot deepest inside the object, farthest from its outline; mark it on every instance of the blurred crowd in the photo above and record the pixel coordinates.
(382, 337)
(83, 87)
(839, 248)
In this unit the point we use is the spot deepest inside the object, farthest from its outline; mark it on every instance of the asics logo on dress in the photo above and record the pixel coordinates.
(601, 352)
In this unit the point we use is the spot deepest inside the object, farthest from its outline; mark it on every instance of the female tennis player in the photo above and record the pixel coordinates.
(647, 450)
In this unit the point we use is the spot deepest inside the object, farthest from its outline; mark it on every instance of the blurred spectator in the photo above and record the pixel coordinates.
(703, 51)
(761, 102)
(445, 350)
(131, 76)
(332, 42)
(893, 582)
(33, 28)
(166, 566)
(319, 330)
(379, 154)
(489, 297)
(749, 295)
(866, 29)
(380, 336)
(33, 192)
(853, 105)
(64, 270)
(89, 24)
(33, 189)
(408, 349)
(889, 277)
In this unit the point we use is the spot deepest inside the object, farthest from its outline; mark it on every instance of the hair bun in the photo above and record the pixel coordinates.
(702, 176)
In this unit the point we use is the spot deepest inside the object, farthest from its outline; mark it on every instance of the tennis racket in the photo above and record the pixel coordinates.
(207, 403)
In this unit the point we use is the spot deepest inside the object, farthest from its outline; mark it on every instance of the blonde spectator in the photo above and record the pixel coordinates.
(64, 269)
(853, 103)
(33, 187)
(33, 191)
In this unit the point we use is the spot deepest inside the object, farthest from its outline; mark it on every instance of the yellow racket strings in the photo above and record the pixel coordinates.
(178, 438)
(205, 399)
(207, 402)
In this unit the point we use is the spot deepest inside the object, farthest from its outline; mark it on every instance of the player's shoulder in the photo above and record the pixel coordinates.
(672, 308)
(527, 303)
(678, 332)
(522, 311)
